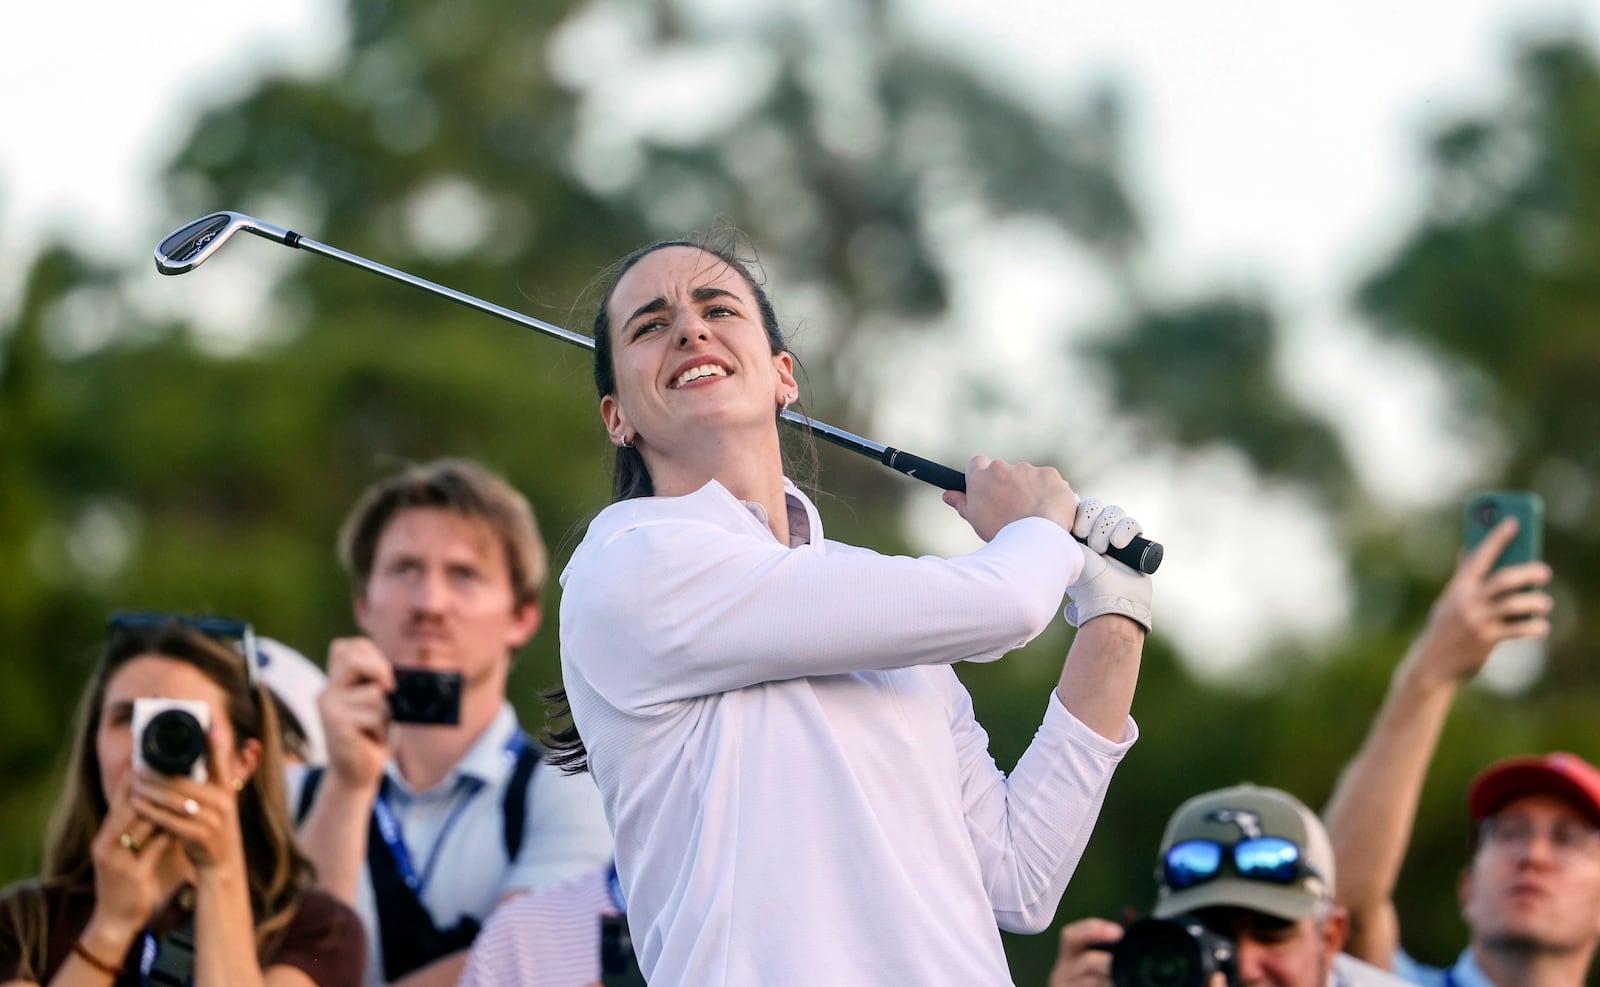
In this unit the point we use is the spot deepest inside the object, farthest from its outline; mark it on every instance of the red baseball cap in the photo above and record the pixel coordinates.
(1565, 776)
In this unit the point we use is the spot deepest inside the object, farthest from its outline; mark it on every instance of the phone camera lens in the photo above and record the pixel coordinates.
(1488, 512)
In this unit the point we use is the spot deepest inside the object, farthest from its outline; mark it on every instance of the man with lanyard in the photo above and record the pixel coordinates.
(1254, 866)
(424, 828)
(1531, 892)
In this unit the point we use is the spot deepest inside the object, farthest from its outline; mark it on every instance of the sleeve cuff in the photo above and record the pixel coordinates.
(1061, 726)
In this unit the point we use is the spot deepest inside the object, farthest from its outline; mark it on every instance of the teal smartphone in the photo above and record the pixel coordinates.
(1488, 508)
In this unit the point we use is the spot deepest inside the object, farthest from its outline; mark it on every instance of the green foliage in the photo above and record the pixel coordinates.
(469, 143)
(1503, 279)
(1206, 373)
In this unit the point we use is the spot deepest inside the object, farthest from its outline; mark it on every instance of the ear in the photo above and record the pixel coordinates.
(524, 623)
(615, 421)
(246, 761)
(1464, 890)
(783, 363)
(1336, 930)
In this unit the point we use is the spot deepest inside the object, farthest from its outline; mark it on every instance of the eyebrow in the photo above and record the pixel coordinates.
(704, 293)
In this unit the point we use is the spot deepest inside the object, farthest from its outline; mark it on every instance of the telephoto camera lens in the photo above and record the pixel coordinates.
(1178, 952)
(172, 742)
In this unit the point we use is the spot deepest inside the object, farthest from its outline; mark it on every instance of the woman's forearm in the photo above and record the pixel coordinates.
(1100, 673)
(225, 935)
(97, 957)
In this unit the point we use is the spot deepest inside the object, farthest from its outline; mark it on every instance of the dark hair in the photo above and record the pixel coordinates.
(630, 477)
(460, 487)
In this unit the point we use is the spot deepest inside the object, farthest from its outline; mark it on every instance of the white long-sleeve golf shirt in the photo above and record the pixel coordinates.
(797, 786)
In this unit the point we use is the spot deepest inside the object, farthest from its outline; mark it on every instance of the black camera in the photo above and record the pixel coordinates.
(423, 696)
(1172, 952)
(169, 736)
(619, 967)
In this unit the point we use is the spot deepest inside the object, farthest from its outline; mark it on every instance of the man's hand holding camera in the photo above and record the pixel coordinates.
(1085, 957)
(355, 714)
(1087, 948)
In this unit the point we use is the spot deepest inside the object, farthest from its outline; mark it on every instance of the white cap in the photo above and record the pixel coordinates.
(297, 682)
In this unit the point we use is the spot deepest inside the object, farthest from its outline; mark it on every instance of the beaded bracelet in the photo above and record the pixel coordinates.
(94, 960)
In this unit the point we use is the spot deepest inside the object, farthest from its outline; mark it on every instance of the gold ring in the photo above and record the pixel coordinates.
(129, 843)
(191, 807)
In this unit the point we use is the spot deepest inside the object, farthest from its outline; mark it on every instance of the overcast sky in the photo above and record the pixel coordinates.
(1271, 144)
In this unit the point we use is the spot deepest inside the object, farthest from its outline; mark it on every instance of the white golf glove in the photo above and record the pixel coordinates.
(1106, 585)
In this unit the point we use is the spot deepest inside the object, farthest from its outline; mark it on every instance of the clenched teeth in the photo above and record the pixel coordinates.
(695, 373)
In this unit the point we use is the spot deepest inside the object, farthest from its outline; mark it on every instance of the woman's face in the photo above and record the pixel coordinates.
(693, 361)
(150, 677)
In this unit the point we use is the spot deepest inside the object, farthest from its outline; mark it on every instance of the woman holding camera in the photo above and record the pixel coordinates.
(798, 788)
(187, 877)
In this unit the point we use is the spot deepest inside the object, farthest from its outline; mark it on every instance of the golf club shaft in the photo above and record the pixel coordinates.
(194, 246)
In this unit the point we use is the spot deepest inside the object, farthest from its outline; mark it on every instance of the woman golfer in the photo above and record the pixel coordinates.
(797, 786)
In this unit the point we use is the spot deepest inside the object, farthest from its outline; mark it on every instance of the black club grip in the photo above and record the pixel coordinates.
(1140, 554)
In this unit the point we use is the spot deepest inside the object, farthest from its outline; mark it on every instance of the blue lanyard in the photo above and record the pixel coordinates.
(614, 885)
(394, 839)
(147, 958)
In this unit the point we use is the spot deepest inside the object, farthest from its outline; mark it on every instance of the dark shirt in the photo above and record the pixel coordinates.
(325, 939)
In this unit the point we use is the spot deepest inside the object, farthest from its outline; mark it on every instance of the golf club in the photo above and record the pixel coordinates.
(191, 245)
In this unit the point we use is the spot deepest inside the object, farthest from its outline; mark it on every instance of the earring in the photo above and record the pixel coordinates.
(789, 398)
(627, 443)
(238, 784)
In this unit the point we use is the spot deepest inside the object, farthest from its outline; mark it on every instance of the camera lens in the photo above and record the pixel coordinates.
(172, 742)
(1165, 970)
(1169, 953)
(1487, 512)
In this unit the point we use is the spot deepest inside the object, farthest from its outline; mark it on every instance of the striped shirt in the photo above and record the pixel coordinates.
(549, 937)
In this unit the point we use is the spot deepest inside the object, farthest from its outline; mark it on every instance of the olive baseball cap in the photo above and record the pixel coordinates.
(1230, 815)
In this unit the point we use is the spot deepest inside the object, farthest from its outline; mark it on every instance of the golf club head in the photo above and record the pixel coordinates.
(187, 247)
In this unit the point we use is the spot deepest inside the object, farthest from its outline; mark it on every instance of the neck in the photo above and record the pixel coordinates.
(1506, 966)
(426, 754)
(755, 478)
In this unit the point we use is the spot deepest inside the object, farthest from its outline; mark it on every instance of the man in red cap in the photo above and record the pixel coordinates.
(1531, 895)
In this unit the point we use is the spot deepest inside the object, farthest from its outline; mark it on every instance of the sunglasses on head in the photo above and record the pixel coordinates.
(237, 634)
(1270, 859)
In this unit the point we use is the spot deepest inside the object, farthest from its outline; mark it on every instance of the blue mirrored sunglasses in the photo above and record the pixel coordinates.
(238, 634)
(1270, 859)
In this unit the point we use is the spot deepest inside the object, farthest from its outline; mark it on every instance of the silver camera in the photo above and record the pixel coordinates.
(169, 736)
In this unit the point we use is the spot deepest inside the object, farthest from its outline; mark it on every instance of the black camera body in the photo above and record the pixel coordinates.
(619, 966)
(169, 737)
(1171, 952)
(426, 697)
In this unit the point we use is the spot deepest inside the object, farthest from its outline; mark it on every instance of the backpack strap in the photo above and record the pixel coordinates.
(409, 938)
(515, 805)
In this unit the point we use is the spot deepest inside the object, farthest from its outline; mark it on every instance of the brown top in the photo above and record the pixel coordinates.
(324, 939)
